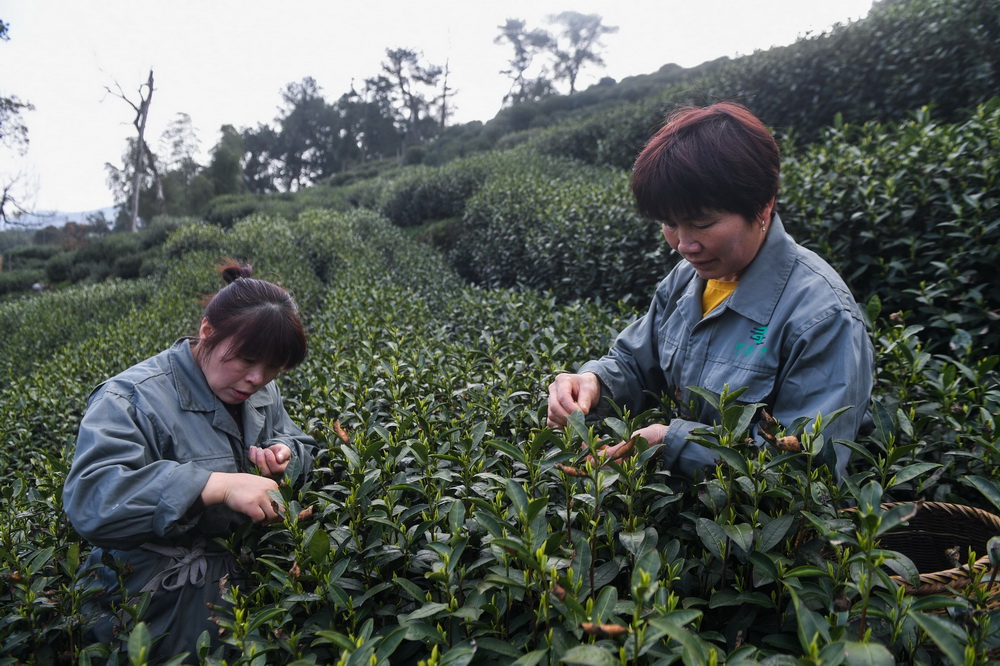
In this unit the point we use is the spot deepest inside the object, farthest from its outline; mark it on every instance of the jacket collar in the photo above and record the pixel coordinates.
(192, 388)
(763, 281)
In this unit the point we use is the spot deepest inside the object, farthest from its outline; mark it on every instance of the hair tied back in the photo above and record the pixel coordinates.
(233, 270)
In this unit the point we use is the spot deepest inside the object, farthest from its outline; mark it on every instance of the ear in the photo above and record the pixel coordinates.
(205, 330)
(769, 211)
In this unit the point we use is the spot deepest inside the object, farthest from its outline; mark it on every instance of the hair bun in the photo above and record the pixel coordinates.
(232, 271)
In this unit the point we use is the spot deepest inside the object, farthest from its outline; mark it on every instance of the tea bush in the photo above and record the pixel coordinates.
(228, 209)
(441, 524)
(422, 194)
(557, 225)
(35, 327)
(19, 281)
(910, 214)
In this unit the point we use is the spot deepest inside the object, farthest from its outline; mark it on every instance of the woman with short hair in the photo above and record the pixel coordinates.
(746, 308)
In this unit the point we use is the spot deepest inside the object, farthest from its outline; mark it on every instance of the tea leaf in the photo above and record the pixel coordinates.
(531, 659)
(262, 616)
(429, 609)
(318, 546)
(499, 647)
(989, 489)
(389, 643)
(456, 516)
(741, 535)
(774, 532)
(896, 516)
(713, 536)
(518, 498)
(604, 606)
(912, 472)
(139, 644)
(588, 655)
(811, 625)
(695, 649)
(947, 636)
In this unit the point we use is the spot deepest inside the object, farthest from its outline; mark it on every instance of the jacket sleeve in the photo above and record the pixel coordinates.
(631, 369)
(829, 365)
(119, 493)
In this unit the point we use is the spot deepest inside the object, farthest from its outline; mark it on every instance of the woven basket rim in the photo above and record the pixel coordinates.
(949, 581)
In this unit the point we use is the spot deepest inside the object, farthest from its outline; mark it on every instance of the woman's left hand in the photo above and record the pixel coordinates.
(271, 461)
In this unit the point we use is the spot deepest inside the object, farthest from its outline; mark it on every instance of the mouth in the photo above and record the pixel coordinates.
(700, 265)
(241, 395)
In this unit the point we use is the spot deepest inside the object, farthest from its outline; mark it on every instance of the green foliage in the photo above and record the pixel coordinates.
(19, 281)
(441, 524)
(514, 124)
(554, 224)
(96, 257)
(422, 194)
(226, 210)
(910, 214)
(445, 522)
(907, 213)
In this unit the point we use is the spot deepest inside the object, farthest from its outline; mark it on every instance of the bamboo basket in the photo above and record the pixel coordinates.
(938, 540)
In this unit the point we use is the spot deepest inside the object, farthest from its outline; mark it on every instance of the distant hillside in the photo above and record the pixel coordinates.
(905, 55)
(59, 218)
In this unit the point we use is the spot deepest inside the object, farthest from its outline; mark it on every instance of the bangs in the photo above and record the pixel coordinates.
(682, 185)
(267, 335)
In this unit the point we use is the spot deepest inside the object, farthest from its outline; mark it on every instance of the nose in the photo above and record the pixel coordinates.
(687, 243)
(255, 374)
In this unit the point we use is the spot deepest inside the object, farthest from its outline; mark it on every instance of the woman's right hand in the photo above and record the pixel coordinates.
(569, 393)
(244, 493)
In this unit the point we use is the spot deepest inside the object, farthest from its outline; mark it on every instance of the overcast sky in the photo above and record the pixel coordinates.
(227, 61)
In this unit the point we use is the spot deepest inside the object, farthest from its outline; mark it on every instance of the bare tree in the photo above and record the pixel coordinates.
(446, 110)
(11, 204)
(13, 138)
(141, 149)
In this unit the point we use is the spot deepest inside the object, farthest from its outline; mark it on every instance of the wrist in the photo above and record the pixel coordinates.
(214, 491)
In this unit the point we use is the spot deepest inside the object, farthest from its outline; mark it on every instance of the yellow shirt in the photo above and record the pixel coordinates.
(716, 291)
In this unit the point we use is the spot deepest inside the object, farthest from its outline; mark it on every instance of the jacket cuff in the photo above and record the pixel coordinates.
(682, 455)
(173, 513)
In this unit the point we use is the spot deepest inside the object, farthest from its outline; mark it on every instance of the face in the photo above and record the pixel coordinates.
(719, 246)
(233, 378)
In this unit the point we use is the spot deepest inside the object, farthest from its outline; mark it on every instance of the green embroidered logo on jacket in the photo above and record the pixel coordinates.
(758, 349)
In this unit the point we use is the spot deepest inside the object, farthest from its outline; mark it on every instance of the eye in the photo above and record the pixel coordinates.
(669, 225)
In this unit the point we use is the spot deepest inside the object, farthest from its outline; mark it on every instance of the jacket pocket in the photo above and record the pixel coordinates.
(755, 375)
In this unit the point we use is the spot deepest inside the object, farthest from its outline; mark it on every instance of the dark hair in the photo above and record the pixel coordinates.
(719, 158)
(260, 317)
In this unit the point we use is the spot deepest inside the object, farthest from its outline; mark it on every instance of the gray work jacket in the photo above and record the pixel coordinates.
(150, 438)
(791, 333)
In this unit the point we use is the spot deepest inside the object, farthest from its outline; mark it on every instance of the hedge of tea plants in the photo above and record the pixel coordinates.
(445, 523)
(907, 212)
(910, 213)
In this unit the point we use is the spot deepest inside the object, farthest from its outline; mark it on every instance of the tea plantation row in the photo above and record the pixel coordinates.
(437, 527)
(908, 212)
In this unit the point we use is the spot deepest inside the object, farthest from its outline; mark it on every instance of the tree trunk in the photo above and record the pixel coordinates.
(142, 112)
